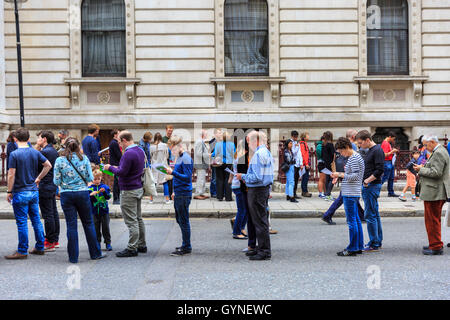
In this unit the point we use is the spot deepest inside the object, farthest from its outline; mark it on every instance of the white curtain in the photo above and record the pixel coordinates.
(246, 37)
(387, 47)
(103, 29)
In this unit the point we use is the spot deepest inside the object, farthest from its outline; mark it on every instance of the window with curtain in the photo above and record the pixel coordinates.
(246, 38)
(387, 37)
(103, 38)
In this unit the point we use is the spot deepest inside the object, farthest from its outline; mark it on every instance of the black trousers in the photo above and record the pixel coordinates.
(170, 185)
(223, 188)
(251, 232)
(296, 178)
(116, 189)
(49, 211)
(328, 185)
(101, 223)
(257, 204)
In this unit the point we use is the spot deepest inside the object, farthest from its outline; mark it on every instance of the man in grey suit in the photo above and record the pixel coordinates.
(201, 164)
(434, 191)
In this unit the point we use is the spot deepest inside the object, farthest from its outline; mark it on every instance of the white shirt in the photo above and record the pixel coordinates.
(297, 153)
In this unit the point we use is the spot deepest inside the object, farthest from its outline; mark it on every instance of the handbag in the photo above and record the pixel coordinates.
(148, 181)
(285, 167)
(217, 162)
(81, 176)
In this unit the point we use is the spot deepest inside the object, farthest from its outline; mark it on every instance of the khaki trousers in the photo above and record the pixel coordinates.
(130, 204)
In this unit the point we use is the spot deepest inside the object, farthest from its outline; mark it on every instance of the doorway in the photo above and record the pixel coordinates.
(401, 142)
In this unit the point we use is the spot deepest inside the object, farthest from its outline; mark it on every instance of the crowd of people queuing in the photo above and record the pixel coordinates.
(64, 168)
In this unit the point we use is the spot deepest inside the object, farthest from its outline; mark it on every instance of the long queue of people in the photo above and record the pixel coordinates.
(36, 177)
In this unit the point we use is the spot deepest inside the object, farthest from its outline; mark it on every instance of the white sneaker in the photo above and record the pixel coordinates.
(168, 201)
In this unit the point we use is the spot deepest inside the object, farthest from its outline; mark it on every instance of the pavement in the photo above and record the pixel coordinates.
(279, 207)
(304, 265)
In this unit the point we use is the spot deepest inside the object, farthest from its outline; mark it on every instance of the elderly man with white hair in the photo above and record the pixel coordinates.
(259, 179)
(434, 191)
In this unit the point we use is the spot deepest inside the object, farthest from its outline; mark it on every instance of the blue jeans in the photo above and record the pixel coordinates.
(354, 224)
(370, 196)
(389, 173)
(212, 186)
(166, 189)
(290, 181)
(73, 203)
(26, 203)
(305, 179)
(242, 210)
(336, 204)
(181, 204)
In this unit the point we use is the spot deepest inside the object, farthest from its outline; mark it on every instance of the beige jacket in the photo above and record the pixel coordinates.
(159, 154)
(435, 176)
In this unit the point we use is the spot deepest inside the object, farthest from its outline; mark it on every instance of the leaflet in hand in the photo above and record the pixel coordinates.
(229, 171)
(326, 171)
(161, 168)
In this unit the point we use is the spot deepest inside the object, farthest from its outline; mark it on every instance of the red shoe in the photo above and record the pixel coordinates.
(50, 247)
(46, 243)
(56, 244)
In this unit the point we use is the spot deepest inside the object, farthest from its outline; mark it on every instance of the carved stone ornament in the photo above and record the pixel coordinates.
(247, 96)
(103, 97)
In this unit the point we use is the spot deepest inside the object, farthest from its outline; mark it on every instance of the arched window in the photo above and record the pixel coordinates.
(387, 37)
(246, 38)
(103, 38)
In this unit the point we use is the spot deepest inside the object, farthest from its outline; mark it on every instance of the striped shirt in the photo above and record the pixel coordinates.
(353, 178)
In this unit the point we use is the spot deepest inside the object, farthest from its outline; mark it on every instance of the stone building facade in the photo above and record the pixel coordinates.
(317, 75)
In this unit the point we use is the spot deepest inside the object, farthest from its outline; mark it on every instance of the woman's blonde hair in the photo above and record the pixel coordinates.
(303, 136)
(174, 141)
(226, 136)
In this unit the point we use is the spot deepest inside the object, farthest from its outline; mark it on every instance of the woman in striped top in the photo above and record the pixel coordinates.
(351, 192)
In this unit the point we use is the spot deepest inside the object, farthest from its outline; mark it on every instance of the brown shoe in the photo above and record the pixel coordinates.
(16, 256)
(271, 231)
(37, 252)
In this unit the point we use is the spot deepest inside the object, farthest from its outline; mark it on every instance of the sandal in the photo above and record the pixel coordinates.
(244, 233)
(240, 237)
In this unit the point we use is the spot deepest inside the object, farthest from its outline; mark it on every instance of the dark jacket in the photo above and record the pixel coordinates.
(288, 157)
(114, 153)
(46, 186)
(242, 167)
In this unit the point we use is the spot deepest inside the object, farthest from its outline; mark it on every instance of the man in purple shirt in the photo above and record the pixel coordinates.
(129, 172)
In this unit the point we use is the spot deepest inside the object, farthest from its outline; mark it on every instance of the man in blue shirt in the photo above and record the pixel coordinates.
(259, 179)
(90, 144)
(23, 182)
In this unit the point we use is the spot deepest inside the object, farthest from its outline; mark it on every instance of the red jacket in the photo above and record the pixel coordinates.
(305, 152)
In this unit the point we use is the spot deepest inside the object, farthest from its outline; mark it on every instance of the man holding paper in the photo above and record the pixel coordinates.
(259, 179)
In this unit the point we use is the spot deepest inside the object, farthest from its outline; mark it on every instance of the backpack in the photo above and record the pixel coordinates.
(319, 150)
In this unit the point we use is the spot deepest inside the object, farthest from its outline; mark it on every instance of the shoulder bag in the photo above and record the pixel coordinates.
(81, 176)
(148, 181)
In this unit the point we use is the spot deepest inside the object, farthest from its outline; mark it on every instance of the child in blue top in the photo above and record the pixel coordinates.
(100, 194)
